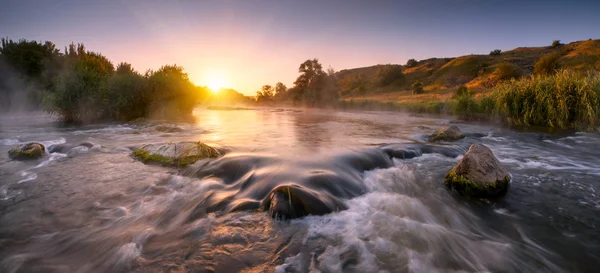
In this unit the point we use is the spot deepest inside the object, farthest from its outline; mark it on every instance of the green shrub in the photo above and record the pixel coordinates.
(460, 91)
(505, 71)
(417, 87)
(466, 107)
(487, 105)
(547, 64)
(388, 74)
(411, 63)
(495, 52)
(566, 99)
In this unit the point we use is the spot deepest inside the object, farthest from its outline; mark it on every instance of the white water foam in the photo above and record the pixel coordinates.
(109, 130)
(10, 141)
(404, 224)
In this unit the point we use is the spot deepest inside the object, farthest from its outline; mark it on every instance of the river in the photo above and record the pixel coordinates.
(96, 209)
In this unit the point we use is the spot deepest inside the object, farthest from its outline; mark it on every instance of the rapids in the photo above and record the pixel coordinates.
(371, 185)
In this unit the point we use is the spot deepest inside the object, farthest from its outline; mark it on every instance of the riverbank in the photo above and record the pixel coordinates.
(563, 100)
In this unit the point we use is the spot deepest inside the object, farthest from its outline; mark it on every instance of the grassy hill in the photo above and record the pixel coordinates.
(441, 76)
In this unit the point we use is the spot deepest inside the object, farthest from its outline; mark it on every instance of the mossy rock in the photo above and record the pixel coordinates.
(469, 188)
(31, 150)
(448, 133)
(478, 174)
(175, 154)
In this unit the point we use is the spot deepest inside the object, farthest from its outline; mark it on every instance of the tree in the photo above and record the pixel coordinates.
(311, 82)
(411, 63)
(417, 87)
(124, 68)
(388, 74)
(556, 43)
(81, 87)
(265, 95)
(280, 89)
(495, 52)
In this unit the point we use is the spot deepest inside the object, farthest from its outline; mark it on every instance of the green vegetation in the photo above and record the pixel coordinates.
(566, 99)
(471, 189)
(495, 52)
(417, 87)
(547, 64)
(556, 43)
(547, 86)
(184, 158)
(79, 85)
(31, 150)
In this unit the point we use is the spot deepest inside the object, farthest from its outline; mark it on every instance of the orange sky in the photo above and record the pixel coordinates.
(246, 44)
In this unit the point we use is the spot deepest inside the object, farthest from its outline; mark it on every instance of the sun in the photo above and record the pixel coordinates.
(215, 81)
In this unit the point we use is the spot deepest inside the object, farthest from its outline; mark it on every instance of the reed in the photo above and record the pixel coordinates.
(565, 99)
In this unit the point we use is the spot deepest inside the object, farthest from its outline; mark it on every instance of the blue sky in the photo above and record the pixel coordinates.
(246, 44)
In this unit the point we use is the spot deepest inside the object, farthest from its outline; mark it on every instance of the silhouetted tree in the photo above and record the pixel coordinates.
(411, 63)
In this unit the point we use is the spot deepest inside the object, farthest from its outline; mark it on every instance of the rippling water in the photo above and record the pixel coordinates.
(95, 209)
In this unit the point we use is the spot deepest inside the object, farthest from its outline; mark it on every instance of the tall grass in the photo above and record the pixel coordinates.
(565, 99)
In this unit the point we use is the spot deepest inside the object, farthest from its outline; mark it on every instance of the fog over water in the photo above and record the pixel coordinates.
(96, 209)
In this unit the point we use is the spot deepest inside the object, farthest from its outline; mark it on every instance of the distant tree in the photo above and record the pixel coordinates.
(311, 82)
(280, 89)
(388, 74)
(417, 87)
(495, 52)
(547, 64)
(411, 63)
(81, 87)
(124, 68)
(265, 95)
(556, 43)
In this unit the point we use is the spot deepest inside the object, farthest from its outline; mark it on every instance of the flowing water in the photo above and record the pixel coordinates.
(96, 209)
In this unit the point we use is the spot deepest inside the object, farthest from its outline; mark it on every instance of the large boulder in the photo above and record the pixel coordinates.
(175, 154)
(448, 133)
(31, 150)
(478, 174)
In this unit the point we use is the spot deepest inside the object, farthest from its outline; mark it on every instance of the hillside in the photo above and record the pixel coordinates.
(440, 76)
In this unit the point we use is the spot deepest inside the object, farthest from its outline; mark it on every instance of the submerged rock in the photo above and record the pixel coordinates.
(31, 150)
(175, 154)
(448, 133)
(164, 128)
(294, 201)
(478, 174)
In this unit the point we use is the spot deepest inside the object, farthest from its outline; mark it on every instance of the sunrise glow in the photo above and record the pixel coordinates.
(215, 81)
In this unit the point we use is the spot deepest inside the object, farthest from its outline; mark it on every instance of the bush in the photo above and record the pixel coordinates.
(81, 86)
(505, 71)
(417, 87)
(547, 64)
(556, 43)
(460, 91)
(487, 105)
(566, 99)
(411, 63)
(388, 74)
(495, 52)
(466, 107)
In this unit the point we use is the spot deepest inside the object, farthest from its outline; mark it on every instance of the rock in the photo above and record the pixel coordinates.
(168, 129)
(31, 150)
(478, 174)
(175, 154)
(448, 133)
(294, 201)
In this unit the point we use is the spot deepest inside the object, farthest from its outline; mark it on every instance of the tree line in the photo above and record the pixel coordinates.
(80, 85)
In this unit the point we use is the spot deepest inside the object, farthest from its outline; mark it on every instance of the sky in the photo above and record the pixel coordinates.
(245, 44)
